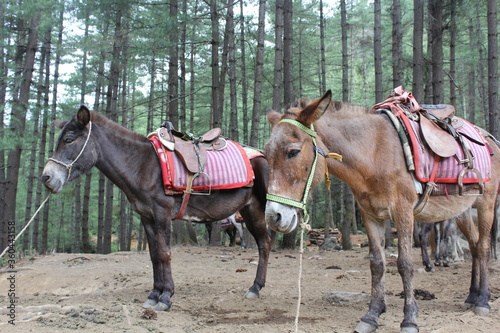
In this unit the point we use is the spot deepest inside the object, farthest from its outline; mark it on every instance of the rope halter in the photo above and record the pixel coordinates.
(318, 151)
(69, 166)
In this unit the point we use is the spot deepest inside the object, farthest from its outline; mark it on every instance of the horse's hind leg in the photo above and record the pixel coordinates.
(376, 236)
(423, 235)
(255, 222)
(479, 293)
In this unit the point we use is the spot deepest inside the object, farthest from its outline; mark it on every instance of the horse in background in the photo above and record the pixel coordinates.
(445, 246)
(129, 160)
(373, 165)
(231, 227)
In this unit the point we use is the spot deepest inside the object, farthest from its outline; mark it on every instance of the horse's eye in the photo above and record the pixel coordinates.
(292, 153)
(68, 139)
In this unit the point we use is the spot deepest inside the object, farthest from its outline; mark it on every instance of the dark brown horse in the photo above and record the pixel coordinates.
(374, 167)
(129, 161)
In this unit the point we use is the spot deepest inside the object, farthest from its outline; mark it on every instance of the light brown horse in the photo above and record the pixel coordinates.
(373, 166)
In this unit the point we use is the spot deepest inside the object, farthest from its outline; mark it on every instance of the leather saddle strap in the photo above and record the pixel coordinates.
(186, 196)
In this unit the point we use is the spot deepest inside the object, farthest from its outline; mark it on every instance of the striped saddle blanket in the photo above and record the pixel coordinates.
(432, 168)
(225, 169)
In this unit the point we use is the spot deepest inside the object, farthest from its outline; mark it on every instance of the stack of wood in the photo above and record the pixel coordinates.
(317, 236)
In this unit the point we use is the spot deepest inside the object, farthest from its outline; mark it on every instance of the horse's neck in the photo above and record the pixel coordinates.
(356, 139)
(123, 156)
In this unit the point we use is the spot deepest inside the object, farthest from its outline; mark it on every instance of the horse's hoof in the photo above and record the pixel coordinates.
(364, 327)
(409, 330)
(149, 304)
(429, 269)
(481, 311)
(162, 306)
(251, 295)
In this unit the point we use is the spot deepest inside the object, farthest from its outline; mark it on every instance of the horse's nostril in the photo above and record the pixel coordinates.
(45, 178)
(278, 218)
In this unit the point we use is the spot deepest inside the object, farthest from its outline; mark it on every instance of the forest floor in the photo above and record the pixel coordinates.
(104, 293)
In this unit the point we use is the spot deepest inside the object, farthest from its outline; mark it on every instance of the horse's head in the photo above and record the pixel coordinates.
(294, 165)
(74, 153)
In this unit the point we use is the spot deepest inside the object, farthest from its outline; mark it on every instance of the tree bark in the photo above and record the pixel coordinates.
(418, 56)
(377, 47)
(436, 17)
(233, 114)
(18, 122)
(173, 79)
(288, 52)
(244, 84)
(216, 109)
(278, 57)
(493, 69)
(397, 45)
(259, 68)
(345, 54)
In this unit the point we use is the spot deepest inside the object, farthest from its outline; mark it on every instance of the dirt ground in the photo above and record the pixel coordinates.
(104, 293)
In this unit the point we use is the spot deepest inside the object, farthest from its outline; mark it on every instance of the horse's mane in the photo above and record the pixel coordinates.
(341, 109)
(115, 128)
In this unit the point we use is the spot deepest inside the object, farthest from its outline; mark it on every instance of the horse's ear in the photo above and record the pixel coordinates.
(83, 116)
(273, 117)
(315, 110)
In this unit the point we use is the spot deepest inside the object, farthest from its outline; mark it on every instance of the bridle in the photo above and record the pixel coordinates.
(70, 165)
(318, 151)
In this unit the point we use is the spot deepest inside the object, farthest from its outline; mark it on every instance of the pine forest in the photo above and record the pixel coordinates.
(213, 63)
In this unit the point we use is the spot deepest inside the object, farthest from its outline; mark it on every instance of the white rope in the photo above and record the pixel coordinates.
(26, 226)
(304, 225)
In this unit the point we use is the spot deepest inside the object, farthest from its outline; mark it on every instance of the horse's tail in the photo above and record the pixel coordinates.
(494, 230)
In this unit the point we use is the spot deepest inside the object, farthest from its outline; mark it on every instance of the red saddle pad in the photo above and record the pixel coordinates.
(225, 169)
(432, 168)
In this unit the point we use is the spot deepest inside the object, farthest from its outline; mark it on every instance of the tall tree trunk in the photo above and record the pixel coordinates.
(397, 45)
(36, 147)
(86, 248)
(345, 54)
(471, 82)
(182, 65)
(494, 127)
(418, 55)
(377, 48)
(436, 17)
(278, 57)
(18, 121)
(288, 52)
(173, 79)
(322, 48)
(111, 112)
(244, 84)
(3, 97)
(234, 126)
(216, 120)
(453, 36)
(259, 69)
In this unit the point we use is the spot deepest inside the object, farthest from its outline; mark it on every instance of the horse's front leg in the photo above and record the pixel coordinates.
(165, 283)
(158, 236)
(256, 225)
(376, 236)
(404, 223)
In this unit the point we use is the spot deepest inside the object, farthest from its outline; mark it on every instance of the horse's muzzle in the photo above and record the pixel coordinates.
(53, 178)
(280, 217)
